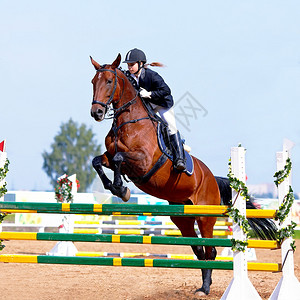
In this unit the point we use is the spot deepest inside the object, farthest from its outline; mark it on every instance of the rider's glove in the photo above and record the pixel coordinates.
(144, 93)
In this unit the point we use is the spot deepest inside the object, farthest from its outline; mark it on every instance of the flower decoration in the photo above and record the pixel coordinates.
(63, 190)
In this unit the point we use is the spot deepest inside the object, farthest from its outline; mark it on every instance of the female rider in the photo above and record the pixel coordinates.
(153, 89)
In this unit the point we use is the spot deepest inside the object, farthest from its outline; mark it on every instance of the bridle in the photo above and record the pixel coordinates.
(107, 104)
(114, 88)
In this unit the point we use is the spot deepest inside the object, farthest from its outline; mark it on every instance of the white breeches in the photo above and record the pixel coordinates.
(167, 114)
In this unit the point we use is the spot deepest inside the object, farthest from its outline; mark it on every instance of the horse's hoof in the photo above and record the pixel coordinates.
(126, 197)
(199, 293)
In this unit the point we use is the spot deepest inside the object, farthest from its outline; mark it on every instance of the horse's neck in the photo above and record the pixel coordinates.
(134, 121)
(135, 109)
(133, 128)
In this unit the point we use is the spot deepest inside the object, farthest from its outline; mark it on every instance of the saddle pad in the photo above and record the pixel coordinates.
(163, 147)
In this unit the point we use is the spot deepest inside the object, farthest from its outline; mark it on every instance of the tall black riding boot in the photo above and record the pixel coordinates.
(178, 152)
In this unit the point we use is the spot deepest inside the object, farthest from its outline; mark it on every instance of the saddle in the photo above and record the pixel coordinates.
(164, 144)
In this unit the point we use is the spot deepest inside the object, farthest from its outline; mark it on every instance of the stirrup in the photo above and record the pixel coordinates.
(180, 164)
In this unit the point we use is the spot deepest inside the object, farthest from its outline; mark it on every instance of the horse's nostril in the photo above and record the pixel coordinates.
(99, 111)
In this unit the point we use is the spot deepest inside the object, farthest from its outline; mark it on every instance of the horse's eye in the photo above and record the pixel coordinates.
(109, 81)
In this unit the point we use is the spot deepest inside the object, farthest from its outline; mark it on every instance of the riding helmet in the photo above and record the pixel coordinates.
(135, 55)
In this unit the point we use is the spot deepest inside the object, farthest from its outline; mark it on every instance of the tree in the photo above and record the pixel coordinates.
(73, 149)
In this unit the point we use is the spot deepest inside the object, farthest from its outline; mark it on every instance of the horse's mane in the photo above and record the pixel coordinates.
(130, 78)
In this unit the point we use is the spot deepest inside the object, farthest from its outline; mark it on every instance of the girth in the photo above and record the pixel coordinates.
(143, 179)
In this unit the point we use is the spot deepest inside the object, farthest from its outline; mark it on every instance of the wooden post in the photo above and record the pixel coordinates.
(288, 286)
(240, 286)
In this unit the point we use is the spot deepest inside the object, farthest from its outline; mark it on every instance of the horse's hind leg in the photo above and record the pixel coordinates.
(187, 229)
(206, 226)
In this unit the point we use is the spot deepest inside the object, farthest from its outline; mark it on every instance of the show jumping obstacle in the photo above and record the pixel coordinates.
(239, 288)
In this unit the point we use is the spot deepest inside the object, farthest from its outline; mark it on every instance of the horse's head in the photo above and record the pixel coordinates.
(106, 89)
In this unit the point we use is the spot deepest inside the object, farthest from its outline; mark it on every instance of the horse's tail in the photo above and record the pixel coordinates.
(265, 229)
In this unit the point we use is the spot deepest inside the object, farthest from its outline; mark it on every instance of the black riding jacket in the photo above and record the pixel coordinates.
(154, 83)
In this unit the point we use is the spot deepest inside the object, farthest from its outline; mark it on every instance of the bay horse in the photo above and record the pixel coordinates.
(132, 149)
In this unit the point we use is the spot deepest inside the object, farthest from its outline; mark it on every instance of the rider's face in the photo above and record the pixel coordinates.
(133, 67)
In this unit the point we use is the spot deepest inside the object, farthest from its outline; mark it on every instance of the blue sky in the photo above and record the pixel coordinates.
(240, 60)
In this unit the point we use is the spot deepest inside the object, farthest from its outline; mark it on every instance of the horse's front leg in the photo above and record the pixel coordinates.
(97, 163)
(123, 191)
(116, 188)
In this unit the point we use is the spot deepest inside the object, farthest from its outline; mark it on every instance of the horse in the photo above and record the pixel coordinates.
(132, 150)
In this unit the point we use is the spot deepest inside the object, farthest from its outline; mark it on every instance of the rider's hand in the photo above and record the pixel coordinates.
(144, 93)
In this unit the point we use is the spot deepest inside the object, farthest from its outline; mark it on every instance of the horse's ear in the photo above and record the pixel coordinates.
(117, 61)
(95, 64)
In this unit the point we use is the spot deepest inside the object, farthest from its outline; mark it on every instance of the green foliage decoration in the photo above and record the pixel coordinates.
(287, 232)
(3, 190)
(240, 187)
(238, 245)
(285, 207)
(281, 175)
(3, 172)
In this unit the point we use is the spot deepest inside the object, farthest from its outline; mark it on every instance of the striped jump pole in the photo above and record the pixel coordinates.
(153, 231)
(137, 224)
(109, 261)
(128, 209)
(266, 267)
(111, 238)
(135, 239)
(133, 262)
(288, 286)
(115, 209)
